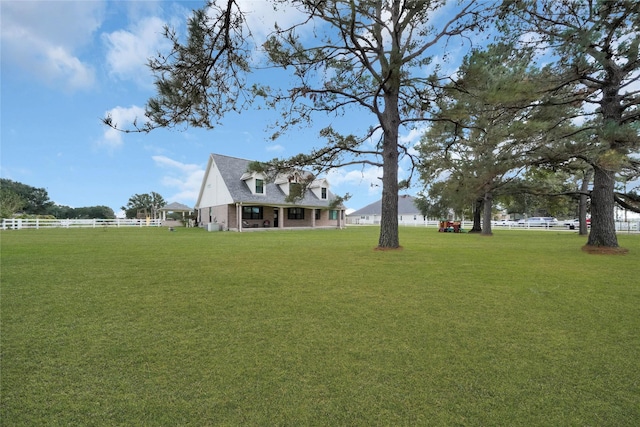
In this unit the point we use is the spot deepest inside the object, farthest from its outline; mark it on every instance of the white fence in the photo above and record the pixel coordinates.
(19, 224)
(621, 226)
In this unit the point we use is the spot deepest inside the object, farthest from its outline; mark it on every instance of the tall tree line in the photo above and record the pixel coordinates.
(19, 198)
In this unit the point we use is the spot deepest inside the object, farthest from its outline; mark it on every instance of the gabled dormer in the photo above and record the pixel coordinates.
(284, 181)
(292, 183)
(256, 182)
(320, 187)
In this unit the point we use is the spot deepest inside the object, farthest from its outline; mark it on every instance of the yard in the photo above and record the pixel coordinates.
(145, 327)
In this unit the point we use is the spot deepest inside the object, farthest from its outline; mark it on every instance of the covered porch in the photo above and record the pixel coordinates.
(249, 217)
(255, 217)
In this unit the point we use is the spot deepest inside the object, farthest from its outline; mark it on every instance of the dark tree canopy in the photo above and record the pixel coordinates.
(35, 200)
(88, 212)
(16, 197)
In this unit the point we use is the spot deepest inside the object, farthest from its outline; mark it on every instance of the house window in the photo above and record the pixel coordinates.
(252, 212)
(318, 214)
(333, 214)
(259, 186)
(296, 213)
(324, 192)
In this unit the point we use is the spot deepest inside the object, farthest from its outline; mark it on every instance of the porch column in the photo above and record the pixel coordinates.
(280, 217)
(313, 218)
(239, 216)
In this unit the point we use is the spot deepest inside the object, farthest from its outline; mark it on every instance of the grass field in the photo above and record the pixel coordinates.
(143, 327)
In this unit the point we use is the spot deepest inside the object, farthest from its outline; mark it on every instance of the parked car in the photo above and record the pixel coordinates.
(575, 222)
(538, 221)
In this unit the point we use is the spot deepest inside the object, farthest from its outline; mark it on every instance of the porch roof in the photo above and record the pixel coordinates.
(175, 207)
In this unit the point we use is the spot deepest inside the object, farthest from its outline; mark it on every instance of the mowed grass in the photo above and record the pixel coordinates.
(143, 327)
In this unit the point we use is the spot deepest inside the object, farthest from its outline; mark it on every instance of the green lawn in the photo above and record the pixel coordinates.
(144, 327)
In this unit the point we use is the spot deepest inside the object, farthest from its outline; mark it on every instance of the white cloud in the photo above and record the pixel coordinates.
(369, 177)
(261, 17)
(184, 177)
(275, 148)
(129, 51)
(61, 64)
(122, 118)
(413, 137)
(42, 38)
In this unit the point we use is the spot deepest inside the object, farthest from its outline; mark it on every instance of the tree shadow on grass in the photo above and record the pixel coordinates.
(604, 250)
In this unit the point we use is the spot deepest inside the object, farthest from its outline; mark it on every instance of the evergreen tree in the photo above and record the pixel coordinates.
(595, 47)
(490, 127)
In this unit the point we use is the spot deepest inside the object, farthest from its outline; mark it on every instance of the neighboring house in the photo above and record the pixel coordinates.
(237, 199)
(408, 213)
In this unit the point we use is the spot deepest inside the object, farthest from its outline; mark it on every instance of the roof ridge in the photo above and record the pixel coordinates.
(232, 157)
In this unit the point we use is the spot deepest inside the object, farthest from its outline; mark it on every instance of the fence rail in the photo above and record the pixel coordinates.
(19, 224)
(632, 226)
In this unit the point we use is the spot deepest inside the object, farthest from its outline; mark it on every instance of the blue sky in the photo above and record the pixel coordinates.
(65, 64)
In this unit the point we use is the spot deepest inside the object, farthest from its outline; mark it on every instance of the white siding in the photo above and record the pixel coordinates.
(215, 192)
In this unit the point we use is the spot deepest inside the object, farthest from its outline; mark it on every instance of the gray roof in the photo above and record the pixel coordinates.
(232, 168)
(406, 206)
(176, 207)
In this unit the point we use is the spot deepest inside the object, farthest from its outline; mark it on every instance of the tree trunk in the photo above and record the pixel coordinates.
(486, 213)
(477, 217)
(582, 204)
(390, 122)
(389, 216)
(603, 226)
